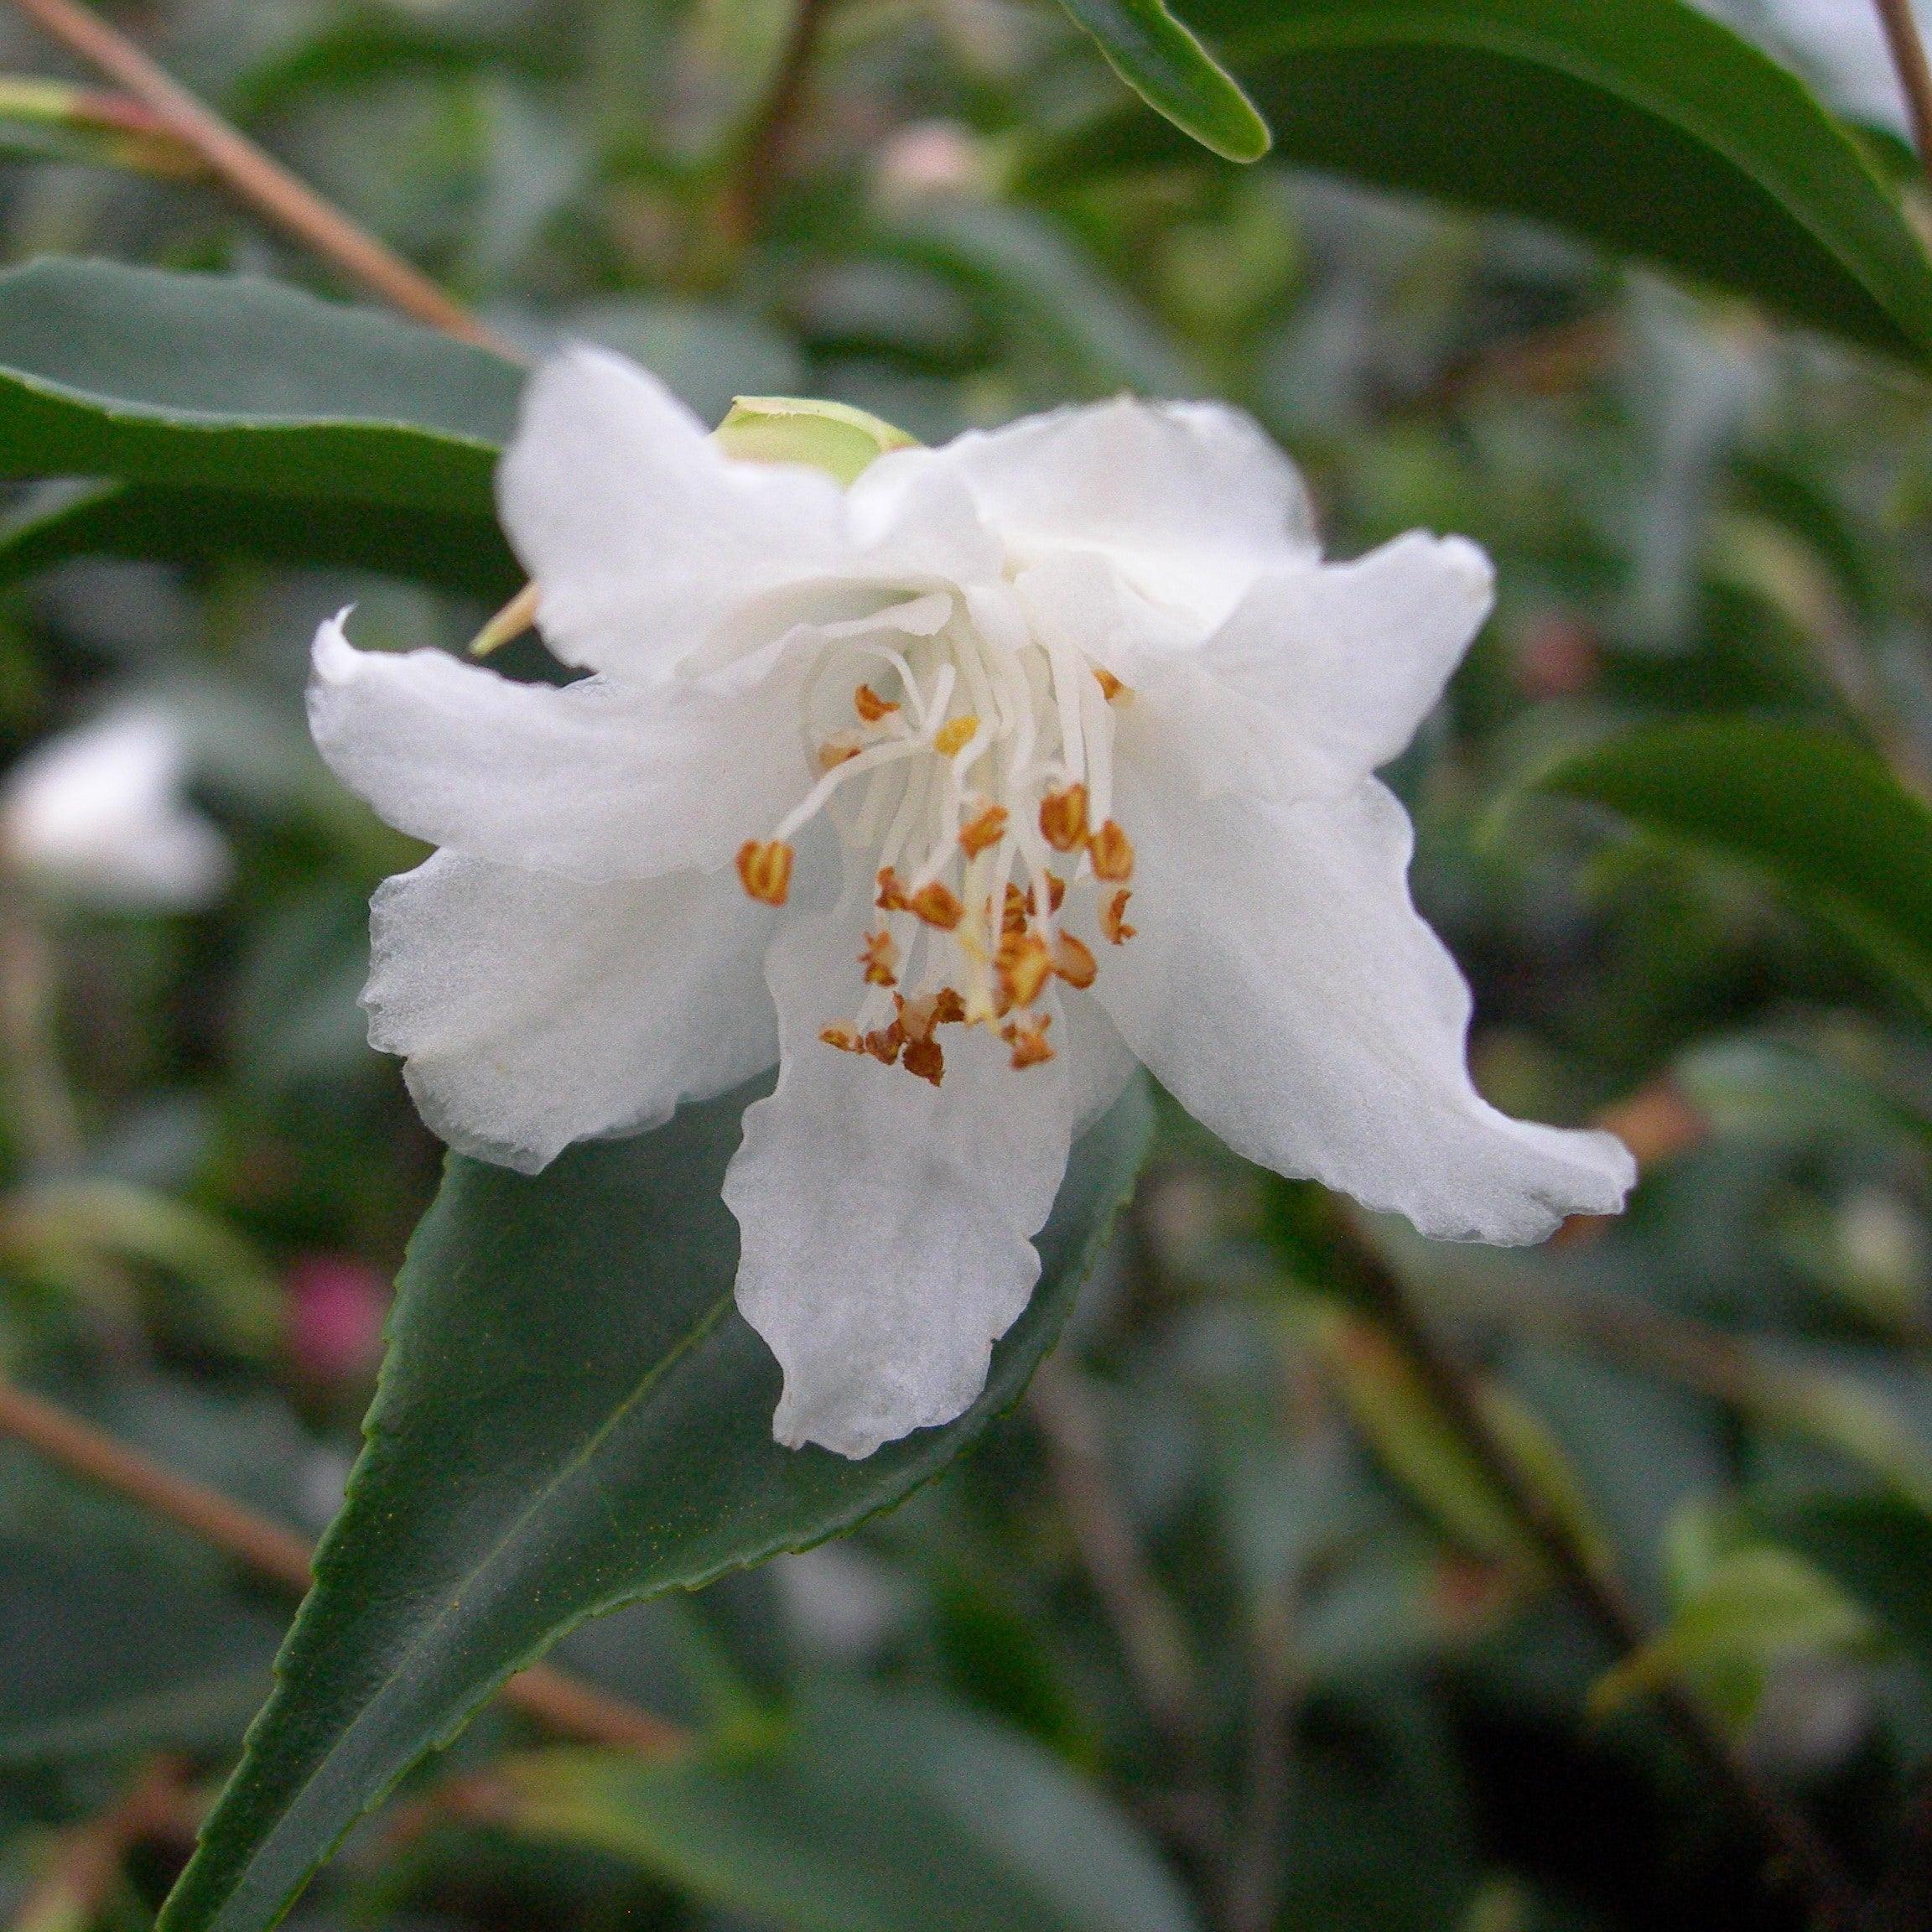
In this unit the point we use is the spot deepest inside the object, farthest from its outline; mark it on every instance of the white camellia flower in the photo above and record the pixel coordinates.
(97, 814)
(1071, 733)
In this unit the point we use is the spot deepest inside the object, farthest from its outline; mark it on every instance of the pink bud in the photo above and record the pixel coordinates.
(335, 1310)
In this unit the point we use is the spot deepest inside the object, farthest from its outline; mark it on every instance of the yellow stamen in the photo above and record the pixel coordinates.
(954, 735)
(765, 870)
(1111, 854)
(1063, 818)
(880, 959)
(987, 828)
(1024, 966)
(1073, 961)
(938, 906)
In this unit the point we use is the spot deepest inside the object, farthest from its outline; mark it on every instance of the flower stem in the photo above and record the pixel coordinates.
(768, 147)
(1915, 77)
(1799, 1846)
(42, 1112)
(259, 180)
(564, 1703)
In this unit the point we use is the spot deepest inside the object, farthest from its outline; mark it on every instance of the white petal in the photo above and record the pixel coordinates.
(642, 534)
(1283, 989)
(596, 780)
(886, 1223)
(1190, 500)
(534, 1010)
(1352, 657)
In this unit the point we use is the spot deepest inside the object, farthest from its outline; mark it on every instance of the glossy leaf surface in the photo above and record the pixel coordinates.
(1641, 125)
(572, 1415)
(1173, 74)
(226, 382)
(1821, 815)
(873, 1813)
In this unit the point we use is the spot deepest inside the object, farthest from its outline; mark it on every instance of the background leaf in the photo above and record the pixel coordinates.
(1640, 124)
(572, 1415)
(231, 384)
(874, 1813)
(1169, 70)
(1824, 816)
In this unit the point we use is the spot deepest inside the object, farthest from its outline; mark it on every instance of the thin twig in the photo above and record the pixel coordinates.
(1255, 1870)
(767, 149)
(42, 1106)
(1915, 77)
(1150, 1633)
(1834, 1901)
(85, 1860)
(259, 180)
(564, 1703)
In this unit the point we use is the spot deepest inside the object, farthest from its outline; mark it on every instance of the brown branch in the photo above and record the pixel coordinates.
(767, 149)
(1915, 77)
(259, 180)
(42, 1106)
(1255, 1871)
(1791, 1835)
(564, 1703)
(1150, 1633)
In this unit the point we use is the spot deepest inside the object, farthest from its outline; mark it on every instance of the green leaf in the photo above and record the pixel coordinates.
(1877, 1549)
(1173, 74)
(572, 1415)
(230, 383)
(158, 523)
(878, 1812)
(1638, 124)
(1821, 815)
(834, 437)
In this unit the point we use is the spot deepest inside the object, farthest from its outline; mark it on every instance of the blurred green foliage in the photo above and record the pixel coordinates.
(1332, 1694)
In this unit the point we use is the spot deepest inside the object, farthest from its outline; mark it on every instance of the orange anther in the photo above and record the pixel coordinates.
(881, 960)
(988, 827)
(765, 870)
(892, 893)
(948, 1009)
(1114, 919)
(834, 751)
(1111, 852)
(870, 705)
(1063, 818)
(955, 735)
(884, 1044)
(938, 906)
(1055, 891)
(925, 1058)
(1029, 1043)
(844, 1038)
(1024, 966)
(1073, 961)
(1110, 686)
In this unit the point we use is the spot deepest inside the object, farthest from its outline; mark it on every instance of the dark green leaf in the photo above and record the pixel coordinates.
(572, 1415)
(1640, 124)
(155, 522)
(1878, 1549)
(1171, 71)
(1821, 815)
(876, 1812)
(226, 382)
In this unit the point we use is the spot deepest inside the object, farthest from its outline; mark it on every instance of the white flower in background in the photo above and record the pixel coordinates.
(956, 792)
(97, 814)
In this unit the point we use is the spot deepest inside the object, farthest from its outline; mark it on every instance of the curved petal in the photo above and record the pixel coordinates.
(641, 533)
(887, 1224)
(1351, 658)
(534, 1010)
(1190, 500)
(1283, 989)
(596, 780)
